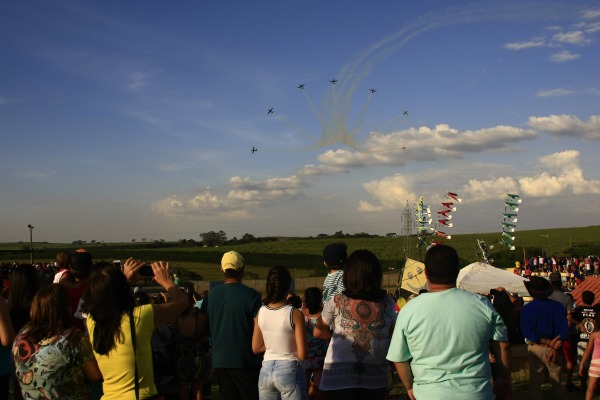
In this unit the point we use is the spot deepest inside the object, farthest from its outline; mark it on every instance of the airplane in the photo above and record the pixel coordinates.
(453, 196)
(254, 150)
(445, 222)
(512, 206)
(270, 111)
(424, 221)
(403, 147)
(372, 90)
(333, 81)
(405, 112)
(514, 197)
(449, 205)
(301, 86)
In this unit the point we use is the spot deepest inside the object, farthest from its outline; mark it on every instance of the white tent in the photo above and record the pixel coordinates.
(480, 278)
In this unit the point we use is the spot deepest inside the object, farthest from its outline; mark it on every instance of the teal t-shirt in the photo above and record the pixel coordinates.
(447, 336)
(231, 309)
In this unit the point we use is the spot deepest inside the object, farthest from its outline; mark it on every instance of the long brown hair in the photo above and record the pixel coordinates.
(49, 313)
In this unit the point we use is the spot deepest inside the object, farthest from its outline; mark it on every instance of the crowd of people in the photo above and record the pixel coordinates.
(83, 330)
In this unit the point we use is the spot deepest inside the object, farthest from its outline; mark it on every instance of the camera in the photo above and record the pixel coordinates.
(146, 270)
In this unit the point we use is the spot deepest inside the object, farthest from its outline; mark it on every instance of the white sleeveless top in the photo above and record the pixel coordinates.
(277, 327)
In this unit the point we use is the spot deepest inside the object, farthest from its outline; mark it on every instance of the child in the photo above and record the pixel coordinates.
(334, 257)
(592, 352)
(317, 348)
(280, 334)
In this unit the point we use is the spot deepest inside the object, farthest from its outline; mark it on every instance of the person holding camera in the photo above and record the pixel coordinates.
(120, 332)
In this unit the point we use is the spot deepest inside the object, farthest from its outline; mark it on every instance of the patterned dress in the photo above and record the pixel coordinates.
(52, 368)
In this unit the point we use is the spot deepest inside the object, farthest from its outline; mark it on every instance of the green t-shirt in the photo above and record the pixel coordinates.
(447, 336)
(230, 309)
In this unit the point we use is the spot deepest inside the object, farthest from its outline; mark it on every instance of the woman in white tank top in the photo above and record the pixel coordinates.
(279, 332)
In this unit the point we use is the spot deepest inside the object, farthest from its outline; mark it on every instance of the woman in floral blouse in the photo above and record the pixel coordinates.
(52, 359)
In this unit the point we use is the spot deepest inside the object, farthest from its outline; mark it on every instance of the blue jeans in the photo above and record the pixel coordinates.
(282, 380)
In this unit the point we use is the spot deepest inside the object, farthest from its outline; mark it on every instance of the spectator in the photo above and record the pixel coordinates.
(191, 361)
(583, 318)
(7, 335)
(229, 311)
(334, 257)
(317, 348)
(81, 267)
(52, 358)
(359, 322)
(591, 357)
(126, 363)
(441, 341)
(24, 283)
(280, 334)
(63, 262)
(545, 327)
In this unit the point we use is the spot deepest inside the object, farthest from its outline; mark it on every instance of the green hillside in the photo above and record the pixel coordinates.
(303, 255)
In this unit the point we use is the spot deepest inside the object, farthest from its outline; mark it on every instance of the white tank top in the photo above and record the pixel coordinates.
(277, 327)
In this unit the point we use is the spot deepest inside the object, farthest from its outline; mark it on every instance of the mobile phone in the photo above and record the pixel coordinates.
(117, 263)
(146, 270)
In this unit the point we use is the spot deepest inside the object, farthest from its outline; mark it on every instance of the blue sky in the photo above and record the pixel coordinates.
(125, 120)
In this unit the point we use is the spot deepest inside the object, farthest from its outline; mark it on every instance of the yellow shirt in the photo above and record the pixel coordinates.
(117, 366)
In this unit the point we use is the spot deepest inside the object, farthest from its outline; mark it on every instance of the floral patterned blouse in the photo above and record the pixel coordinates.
(52, 368)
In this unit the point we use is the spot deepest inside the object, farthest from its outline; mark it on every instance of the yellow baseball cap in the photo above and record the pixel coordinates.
(232, 260)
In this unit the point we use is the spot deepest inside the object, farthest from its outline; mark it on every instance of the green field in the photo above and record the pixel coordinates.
(303, 255)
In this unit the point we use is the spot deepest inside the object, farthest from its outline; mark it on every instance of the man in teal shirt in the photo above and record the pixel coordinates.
(442, 338)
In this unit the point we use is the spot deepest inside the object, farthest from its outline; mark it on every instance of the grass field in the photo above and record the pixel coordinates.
(303, 255)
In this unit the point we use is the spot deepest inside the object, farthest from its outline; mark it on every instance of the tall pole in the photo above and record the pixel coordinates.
(31, 242)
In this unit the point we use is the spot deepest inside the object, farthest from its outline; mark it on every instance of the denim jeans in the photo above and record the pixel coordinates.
(282, 380)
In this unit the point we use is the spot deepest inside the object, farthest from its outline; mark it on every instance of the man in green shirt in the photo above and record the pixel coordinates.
(441, 341)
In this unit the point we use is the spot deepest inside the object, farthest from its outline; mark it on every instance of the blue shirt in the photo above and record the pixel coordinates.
(544, 319)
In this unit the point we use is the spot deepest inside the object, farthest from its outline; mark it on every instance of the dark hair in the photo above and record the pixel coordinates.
(108, 297)
(442, 265)
(313, 299)
(50, 312)
(231, 273)
(294, 300)
(63, 259)
(24, 283)
(279, 282)
(588, 297)
(363, 277)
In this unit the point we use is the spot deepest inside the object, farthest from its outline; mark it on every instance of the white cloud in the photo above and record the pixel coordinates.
(574, 37)
(568, 126)
(424, 144)
(314, 170)
(244, 193)
(562, 175)
(554, 93)
(525, 45)
(591, 14)
(390, 192)
(563, 56)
